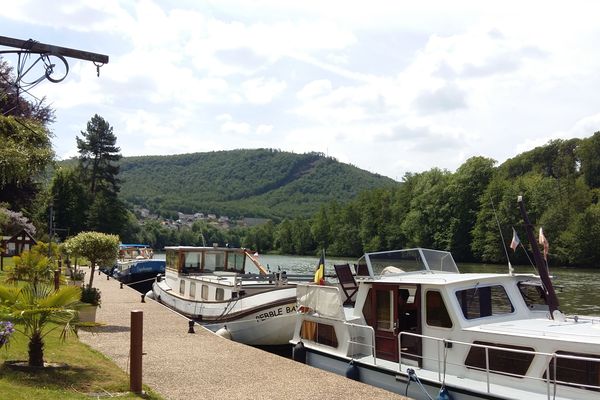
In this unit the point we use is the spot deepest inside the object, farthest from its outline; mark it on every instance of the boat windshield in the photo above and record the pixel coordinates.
(410, 260)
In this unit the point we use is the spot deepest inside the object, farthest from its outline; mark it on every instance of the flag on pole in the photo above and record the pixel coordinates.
(515, 240)
(544, 242)
(320, 272)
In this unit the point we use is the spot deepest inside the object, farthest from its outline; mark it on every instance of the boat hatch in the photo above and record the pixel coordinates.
(409, 260)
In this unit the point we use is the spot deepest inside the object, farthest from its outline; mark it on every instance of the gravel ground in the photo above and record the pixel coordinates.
(179, 365)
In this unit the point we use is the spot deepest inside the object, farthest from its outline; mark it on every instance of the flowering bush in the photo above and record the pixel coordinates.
(6, 330)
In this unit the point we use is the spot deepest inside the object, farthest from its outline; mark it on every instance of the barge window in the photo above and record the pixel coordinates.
(204, 292)
(192, 262)
(484, 301)
(172, 258)
(501, 361)
(319, 333)
(437, 313)
(181, 286)
(193, 290)
(235, 261)
(582, 372)
(214, 261)
(220, 294)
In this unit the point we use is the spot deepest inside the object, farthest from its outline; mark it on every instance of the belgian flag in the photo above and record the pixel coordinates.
(320, 272)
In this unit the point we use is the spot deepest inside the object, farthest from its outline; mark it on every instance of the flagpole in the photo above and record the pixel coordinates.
(510, 268)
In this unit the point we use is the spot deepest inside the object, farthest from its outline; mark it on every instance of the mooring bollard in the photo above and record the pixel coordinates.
(191, 326)
(121, 285)
(136, 351)
(143, 297)
(107, 277)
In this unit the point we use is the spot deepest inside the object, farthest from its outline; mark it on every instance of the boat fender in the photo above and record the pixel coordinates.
(224, 333)
(299, 353)
(352, 372)
(444, 394)
(150, 294)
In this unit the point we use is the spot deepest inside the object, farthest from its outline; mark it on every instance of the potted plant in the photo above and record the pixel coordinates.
(90, 299)
(77, 276)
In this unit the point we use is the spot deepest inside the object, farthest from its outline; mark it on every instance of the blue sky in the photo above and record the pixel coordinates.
(391, 87)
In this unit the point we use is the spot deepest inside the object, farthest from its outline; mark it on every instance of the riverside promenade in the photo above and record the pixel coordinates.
(184, 366)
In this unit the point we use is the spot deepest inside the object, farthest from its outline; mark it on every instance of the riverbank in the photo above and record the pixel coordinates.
(182, 365)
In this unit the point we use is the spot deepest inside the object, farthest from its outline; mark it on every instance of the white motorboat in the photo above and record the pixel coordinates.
(229, 292)
(408, 321)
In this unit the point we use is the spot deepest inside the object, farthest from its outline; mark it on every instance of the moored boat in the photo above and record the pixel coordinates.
(408, 321)
(136, 266)
(230, 292)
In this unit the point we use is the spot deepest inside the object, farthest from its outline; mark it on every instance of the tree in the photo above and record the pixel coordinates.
(40, 309)
(26, 149)
(98, 155)
(98, 248)
(31, 266)
(70, 201)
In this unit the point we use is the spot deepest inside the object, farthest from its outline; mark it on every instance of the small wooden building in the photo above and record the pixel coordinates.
(16, 244)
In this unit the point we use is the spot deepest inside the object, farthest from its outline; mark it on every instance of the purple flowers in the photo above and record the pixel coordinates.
(6, 329)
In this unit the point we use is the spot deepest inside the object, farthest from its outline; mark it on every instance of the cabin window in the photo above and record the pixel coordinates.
(582, 372)
(533, 295)
(204, 292)
(192, 262)
(384, 310)
(193, 290)
(319, 333)
(484, 301)
(181, 286)
(501, 361)
(220, 294)
(437, 313)
(214, 261)
(235, 261)
(172, 259)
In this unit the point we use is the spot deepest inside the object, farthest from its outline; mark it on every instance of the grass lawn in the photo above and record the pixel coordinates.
(84, 372)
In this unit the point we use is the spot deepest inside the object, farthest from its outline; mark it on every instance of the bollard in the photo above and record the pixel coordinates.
(56, 279)
(191, 326)
(121, 285)
(143, 297)
(136, 351)
(107, 277)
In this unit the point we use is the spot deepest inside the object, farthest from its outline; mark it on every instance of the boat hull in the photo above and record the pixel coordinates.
(262, 319)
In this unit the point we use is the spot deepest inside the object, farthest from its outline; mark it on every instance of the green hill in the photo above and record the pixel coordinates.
(261, 183)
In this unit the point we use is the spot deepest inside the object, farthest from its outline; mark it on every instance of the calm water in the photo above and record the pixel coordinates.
(578, 290)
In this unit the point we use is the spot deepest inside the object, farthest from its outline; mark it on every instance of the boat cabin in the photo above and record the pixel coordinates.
(135, 251)
(205, 260)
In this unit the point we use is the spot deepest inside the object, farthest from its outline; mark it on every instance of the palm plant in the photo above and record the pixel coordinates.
(31, 266)
(37, 311)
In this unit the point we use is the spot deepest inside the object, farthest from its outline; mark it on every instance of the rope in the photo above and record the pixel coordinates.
(412, 376)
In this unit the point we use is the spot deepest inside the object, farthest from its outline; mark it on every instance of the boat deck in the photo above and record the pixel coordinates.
(180, 365)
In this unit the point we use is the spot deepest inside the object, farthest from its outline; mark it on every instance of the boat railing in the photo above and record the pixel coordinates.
(551, 360)
(356, 340)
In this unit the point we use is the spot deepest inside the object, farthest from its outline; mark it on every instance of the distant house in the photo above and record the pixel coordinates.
(16, 244)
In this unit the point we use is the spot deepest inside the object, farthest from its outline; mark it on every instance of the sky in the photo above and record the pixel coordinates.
(391, 87)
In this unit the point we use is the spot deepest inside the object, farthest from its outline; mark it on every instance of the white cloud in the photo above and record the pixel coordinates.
(390, 87)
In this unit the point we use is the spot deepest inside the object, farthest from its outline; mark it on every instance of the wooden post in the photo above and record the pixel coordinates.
(136, 349)
(56, 279)
(37, 47)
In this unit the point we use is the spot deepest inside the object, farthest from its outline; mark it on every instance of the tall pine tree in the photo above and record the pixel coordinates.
(98, 163)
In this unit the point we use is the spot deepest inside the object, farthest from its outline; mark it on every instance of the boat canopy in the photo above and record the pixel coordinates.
(408, 260)
(187, 259)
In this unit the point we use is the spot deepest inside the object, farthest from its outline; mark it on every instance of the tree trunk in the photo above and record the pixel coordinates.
(92, 270)
(36, 350)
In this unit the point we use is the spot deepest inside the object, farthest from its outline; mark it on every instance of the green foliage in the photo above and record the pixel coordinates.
(99, 248)
(91, 295)
(39, 309)
(31, 266)
(263, 183)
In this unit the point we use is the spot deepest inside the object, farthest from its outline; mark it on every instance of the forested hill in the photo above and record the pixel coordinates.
(260, 183)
